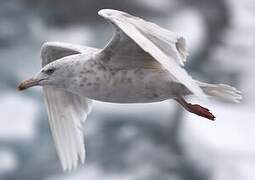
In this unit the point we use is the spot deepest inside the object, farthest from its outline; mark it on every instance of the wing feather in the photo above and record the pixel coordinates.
(164, 46)
(67, 111)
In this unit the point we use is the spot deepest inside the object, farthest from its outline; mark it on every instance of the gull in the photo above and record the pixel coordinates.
(142, 63)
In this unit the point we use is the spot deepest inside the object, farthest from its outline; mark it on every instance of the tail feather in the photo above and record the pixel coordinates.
(222, 92)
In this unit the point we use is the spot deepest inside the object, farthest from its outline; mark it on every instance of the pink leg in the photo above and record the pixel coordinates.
(196, 109)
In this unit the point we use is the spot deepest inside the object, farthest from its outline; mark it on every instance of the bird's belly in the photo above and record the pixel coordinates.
(132, 86)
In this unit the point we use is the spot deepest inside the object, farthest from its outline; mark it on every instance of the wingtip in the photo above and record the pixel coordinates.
(100, 12)
(104, 12)
(109, 12)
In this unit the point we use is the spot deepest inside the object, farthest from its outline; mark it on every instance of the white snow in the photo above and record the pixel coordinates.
(233, 129)
(76, 34)
(18, 116)
(8, 161)
(190, 24)
(225, 148)
(166, 109)
(95, 173)
(221, 146)
(92, 173)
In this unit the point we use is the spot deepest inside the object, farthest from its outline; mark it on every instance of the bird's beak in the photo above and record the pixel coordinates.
(28, 83)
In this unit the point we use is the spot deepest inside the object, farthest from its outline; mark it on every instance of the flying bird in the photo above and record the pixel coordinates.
(142, 63)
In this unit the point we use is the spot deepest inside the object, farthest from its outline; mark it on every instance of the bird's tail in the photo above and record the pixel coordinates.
(221, 92)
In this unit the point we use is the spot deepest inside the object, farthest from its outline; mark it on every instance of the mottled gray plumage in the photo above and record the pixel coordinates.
(142, 63)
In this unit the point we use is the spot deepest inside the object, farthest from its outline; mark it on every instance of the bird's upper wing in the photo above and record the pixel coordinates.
(138, 39)
(67, 111)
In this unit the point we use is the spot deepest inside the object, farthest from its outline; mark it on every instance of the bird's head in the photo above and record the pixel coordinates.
(53, 74)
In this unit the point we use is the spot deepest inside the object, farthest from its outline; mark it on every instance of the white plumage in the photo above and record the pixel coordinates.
(142, 63)
(67, 111)
(158, 42)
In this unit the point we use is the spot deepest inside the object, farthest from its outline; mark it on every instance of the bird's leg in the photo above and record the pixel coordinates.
(195, 108)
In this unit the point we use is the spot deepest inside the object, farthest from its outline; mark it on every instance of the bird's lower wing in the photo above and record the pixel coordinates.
(160, 43)
(67, 113)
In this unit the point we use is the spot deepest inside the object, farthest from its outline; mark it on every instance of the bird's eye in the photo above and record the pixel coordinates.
(49, 71)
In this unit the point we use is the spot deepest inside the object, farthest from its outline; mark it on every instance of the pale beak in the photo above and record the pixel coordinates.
(28, 83)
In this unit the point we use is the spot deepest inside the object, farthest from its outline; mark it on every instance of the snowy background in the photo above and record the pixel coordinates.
(132, 142)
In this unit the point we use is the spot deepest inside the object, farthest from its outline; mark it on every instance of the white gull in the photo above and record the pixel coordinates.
(142, 63)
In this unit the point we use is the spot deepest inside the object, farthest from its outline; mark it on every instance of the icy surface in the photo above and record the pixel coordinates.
(18, 116)
(225, 147)
(8, 161)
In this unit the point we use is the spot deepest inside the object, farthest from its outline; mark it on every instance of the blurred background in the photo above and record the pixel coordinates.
(132, 142)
